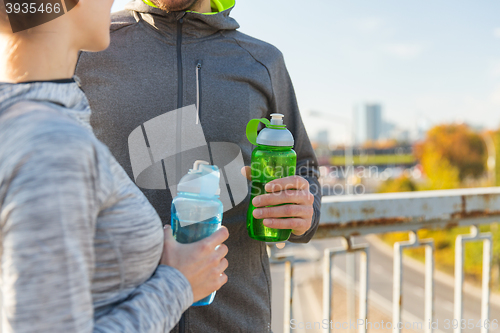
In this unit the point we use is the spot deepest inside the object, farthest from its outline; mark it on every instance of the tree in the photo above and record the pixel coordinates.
(495, 135)
(440, 173)
(401, 184)
(451, 153)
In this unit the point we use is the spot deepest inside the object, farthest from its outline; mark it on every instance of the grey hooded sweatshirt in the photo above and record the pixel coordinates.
(79, 242)
(159, 62)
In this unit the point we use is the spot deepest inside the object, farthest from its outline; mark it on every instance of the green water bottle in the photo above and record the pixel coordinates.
(273, 158)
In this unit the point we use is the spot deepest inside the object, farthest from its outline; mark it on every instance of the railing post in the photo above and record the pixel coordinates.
(397, 297)
(459, 277)
(327, 282)
(363, 288)
(289, 261)
(327, 287)
(459, 281)
(397, 300)
(429, 287)
(350, 287)
(485, 295)
(288, 301)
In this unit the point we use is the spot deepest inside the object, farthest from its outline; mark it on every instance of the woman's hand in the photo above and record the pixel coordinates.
(202, 263)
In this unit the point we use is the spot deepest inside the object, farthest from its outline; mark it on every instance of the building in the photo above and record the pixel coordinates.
(323, 137)
(368, 124)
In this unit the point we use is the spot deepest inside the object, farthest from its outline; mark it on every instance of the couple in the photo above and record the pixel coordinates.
(83, 249)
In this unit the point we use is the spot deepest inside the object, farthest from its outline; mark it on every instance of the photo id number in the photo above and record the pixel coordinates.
(470, 324)
(32, 8)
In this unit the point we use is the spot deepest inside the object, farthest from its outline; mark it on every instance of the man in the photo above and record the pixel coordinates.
(170, 54)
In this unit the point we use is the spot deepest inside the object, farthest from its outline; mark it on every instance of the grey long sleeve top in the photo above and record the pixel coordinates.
(80, 244)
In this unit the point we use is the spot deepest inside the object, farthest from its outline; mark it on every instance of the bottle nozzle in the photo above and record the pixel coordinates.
(198, 163)
(277, 119)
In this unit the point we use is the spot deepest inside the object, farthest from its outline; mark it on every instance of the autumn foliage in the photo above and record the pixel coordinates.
(450, 154)
(400, 184)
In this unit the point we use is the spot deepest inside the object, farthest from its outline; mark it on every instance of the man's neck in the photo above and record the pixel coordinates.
(37, 58)
(201, 6)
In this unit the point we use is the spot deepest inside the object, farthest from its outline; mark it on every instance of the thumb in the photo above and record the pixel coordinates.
(247, 172)
(167, 231)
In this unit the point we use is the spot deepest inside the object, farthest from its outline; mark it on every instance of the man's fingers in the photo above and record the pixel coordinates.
(293, 223)
(287, 183)
(247, 172)
(284, 211)
(210, 243)
(303, 197)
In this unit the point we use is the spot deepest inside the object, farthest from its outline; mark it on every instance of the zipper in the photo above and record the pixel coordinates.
(198, 91)
(178, 145)
(179, 63)
(198, 103)
(178, 157)
(182, 323)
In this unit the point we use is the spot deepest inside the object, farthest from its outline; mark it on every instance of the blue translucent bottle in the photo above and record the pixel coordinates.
(197, 210)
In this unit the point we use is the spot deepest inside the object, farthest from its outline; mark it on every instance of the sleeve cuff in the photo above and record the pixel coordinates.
(179, 283)
(308, 235)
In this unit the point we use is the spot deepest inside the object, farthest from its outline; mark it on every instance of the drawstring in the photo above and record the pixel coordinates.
(198, 67)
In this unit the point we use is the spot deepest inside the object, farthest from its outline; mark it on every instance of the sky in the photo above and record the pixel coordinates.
(425, 62)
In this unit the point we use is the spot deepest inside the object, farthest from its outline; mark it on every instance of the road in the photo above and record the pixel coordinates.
(307, 304)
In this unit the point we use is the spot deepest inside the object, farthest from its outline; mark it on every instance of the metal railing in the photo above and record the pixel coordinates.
(349, 216)
(346, 248)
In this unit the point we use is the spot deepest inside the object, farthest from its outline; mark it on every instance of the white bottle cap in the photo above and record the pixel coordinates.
(277, 119)
(275, 136)
(203, 179)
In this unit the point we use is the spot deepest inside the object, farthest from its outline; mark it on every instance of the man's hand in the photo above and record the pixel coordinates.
(292, 190)
(202, 263)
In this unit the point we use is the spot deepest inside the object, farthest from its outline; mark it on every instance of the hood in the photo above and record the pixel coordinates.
(194, 24)
(216, 5)
(65, 97)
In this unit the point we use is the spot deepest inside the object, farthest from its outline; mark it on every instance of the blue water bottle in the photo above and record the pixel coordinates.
(197, 210)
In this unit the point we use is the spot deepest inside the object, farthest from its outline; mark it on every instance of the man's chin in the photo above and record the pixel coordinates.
(175, 5)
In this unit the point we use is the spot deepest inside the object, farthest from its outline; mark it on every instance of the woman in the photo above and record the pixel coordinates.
(82, 250)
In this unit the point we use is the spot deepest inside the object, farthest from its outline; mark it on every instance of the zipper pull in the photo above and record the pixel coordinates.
(198, 68)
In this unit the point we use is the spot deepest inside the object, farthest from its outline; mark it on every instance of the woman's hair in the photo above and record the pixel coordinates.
(4, 18)
(3, 14)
